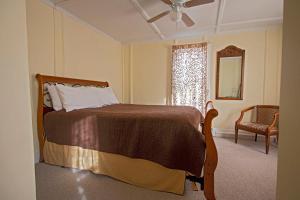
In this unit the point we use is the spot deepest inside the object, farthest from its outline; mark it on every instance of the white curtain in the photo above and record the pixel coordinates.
(189, 75)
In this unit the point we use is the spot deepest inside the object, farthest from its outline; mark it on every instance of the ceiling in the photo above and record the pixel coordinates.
(125, 20)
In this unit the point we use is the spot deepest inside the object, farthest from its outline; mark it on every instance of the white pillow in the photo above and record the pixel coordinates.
(107, 96)
(77, 97)
(55, 99)
(85, 97)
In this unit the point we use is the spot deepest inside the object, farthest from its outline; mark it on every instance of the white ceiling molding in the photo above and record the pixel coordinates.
(220, 14)
(59, 2)
(126, 21)
(143, 12)
(256, 21)
(49, 3)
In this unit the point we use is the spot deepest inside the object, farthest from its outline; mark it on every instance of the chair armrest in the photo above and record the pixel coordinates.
(242, 114)
(275, 120)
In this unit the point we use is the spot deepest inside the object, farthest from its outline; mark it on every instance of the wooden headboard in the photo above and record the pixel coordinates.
(42, 109)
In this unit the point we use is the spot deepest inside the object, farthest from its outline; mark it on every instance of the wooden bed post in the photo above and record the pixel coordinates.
(211, 159)
(40, 128)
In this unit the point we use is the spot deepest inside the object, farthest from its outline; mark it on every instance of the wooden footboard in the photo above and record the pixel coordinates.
(211, 155)
(211, 159)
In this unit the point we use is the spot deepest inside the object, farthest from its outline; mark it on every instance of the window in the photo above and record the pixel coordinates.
(189, 75)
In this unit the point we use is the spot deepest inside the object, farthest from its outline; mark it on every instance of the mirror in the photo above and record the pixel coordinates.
(230, 70)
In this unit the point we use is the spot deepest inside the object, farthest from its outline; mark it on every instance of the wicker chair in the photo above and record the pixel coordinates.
(266, 123)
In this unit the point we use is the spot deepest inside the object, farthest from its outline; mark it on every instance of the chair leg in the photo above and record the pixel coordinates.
(255, 137)
(267, 143)
(236, 135)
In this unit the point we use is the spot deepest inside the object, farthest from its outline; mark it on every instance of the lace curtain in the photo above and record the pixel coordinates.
(189, 75)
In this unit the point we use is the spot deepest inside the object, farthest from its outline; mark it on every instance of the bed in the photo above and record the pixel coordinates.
(156, 147)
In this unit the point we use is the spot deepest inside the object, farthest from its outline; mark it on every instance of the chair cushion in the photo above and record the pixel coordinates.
(256, 127)
(253, 127)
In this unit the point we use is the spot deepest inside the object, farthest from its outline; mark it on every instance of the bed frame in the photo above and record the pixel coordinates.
(211, 156)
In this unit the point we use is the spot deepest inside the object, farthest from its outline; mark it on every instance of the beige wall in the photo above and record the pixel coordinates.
(260, 74)
(127, 83)
(60, 44)
(288, 181)
(151, 63)
(16, 147)
(150, 67)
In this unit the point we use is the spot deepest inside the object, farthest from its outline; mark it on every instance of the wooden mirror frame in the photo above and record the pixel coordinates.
(230, 51)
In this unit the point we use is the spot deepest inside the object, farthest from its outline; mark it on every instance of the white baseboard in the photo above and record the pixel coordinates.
(224, 131)
(214, 131)
(229, 133)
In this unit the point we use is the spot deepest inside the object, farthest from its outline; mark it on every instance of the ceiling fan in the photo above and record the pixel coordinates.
(176, 12)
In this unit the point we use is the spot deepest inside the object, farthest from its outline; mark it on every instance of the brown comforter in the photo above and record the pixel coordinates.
(167, 135)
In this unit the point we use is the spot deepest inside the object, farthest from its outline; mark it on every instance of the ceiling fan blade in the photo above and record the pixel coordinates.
(187, 20)
(153, 19)
(193, 3)
(169, 2)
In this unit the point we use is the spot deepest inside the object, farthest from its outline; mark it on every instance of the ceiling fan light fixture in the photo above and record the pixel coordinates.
(175, 16)
(176, 12)
(180, 1)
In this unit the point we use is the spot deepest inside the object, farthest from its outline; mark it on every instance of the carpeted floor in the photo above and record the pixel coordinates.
(244, 172)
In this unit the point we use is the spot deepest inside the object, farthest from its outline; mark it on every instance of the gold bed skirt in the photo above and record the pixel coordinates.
(137, 172)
